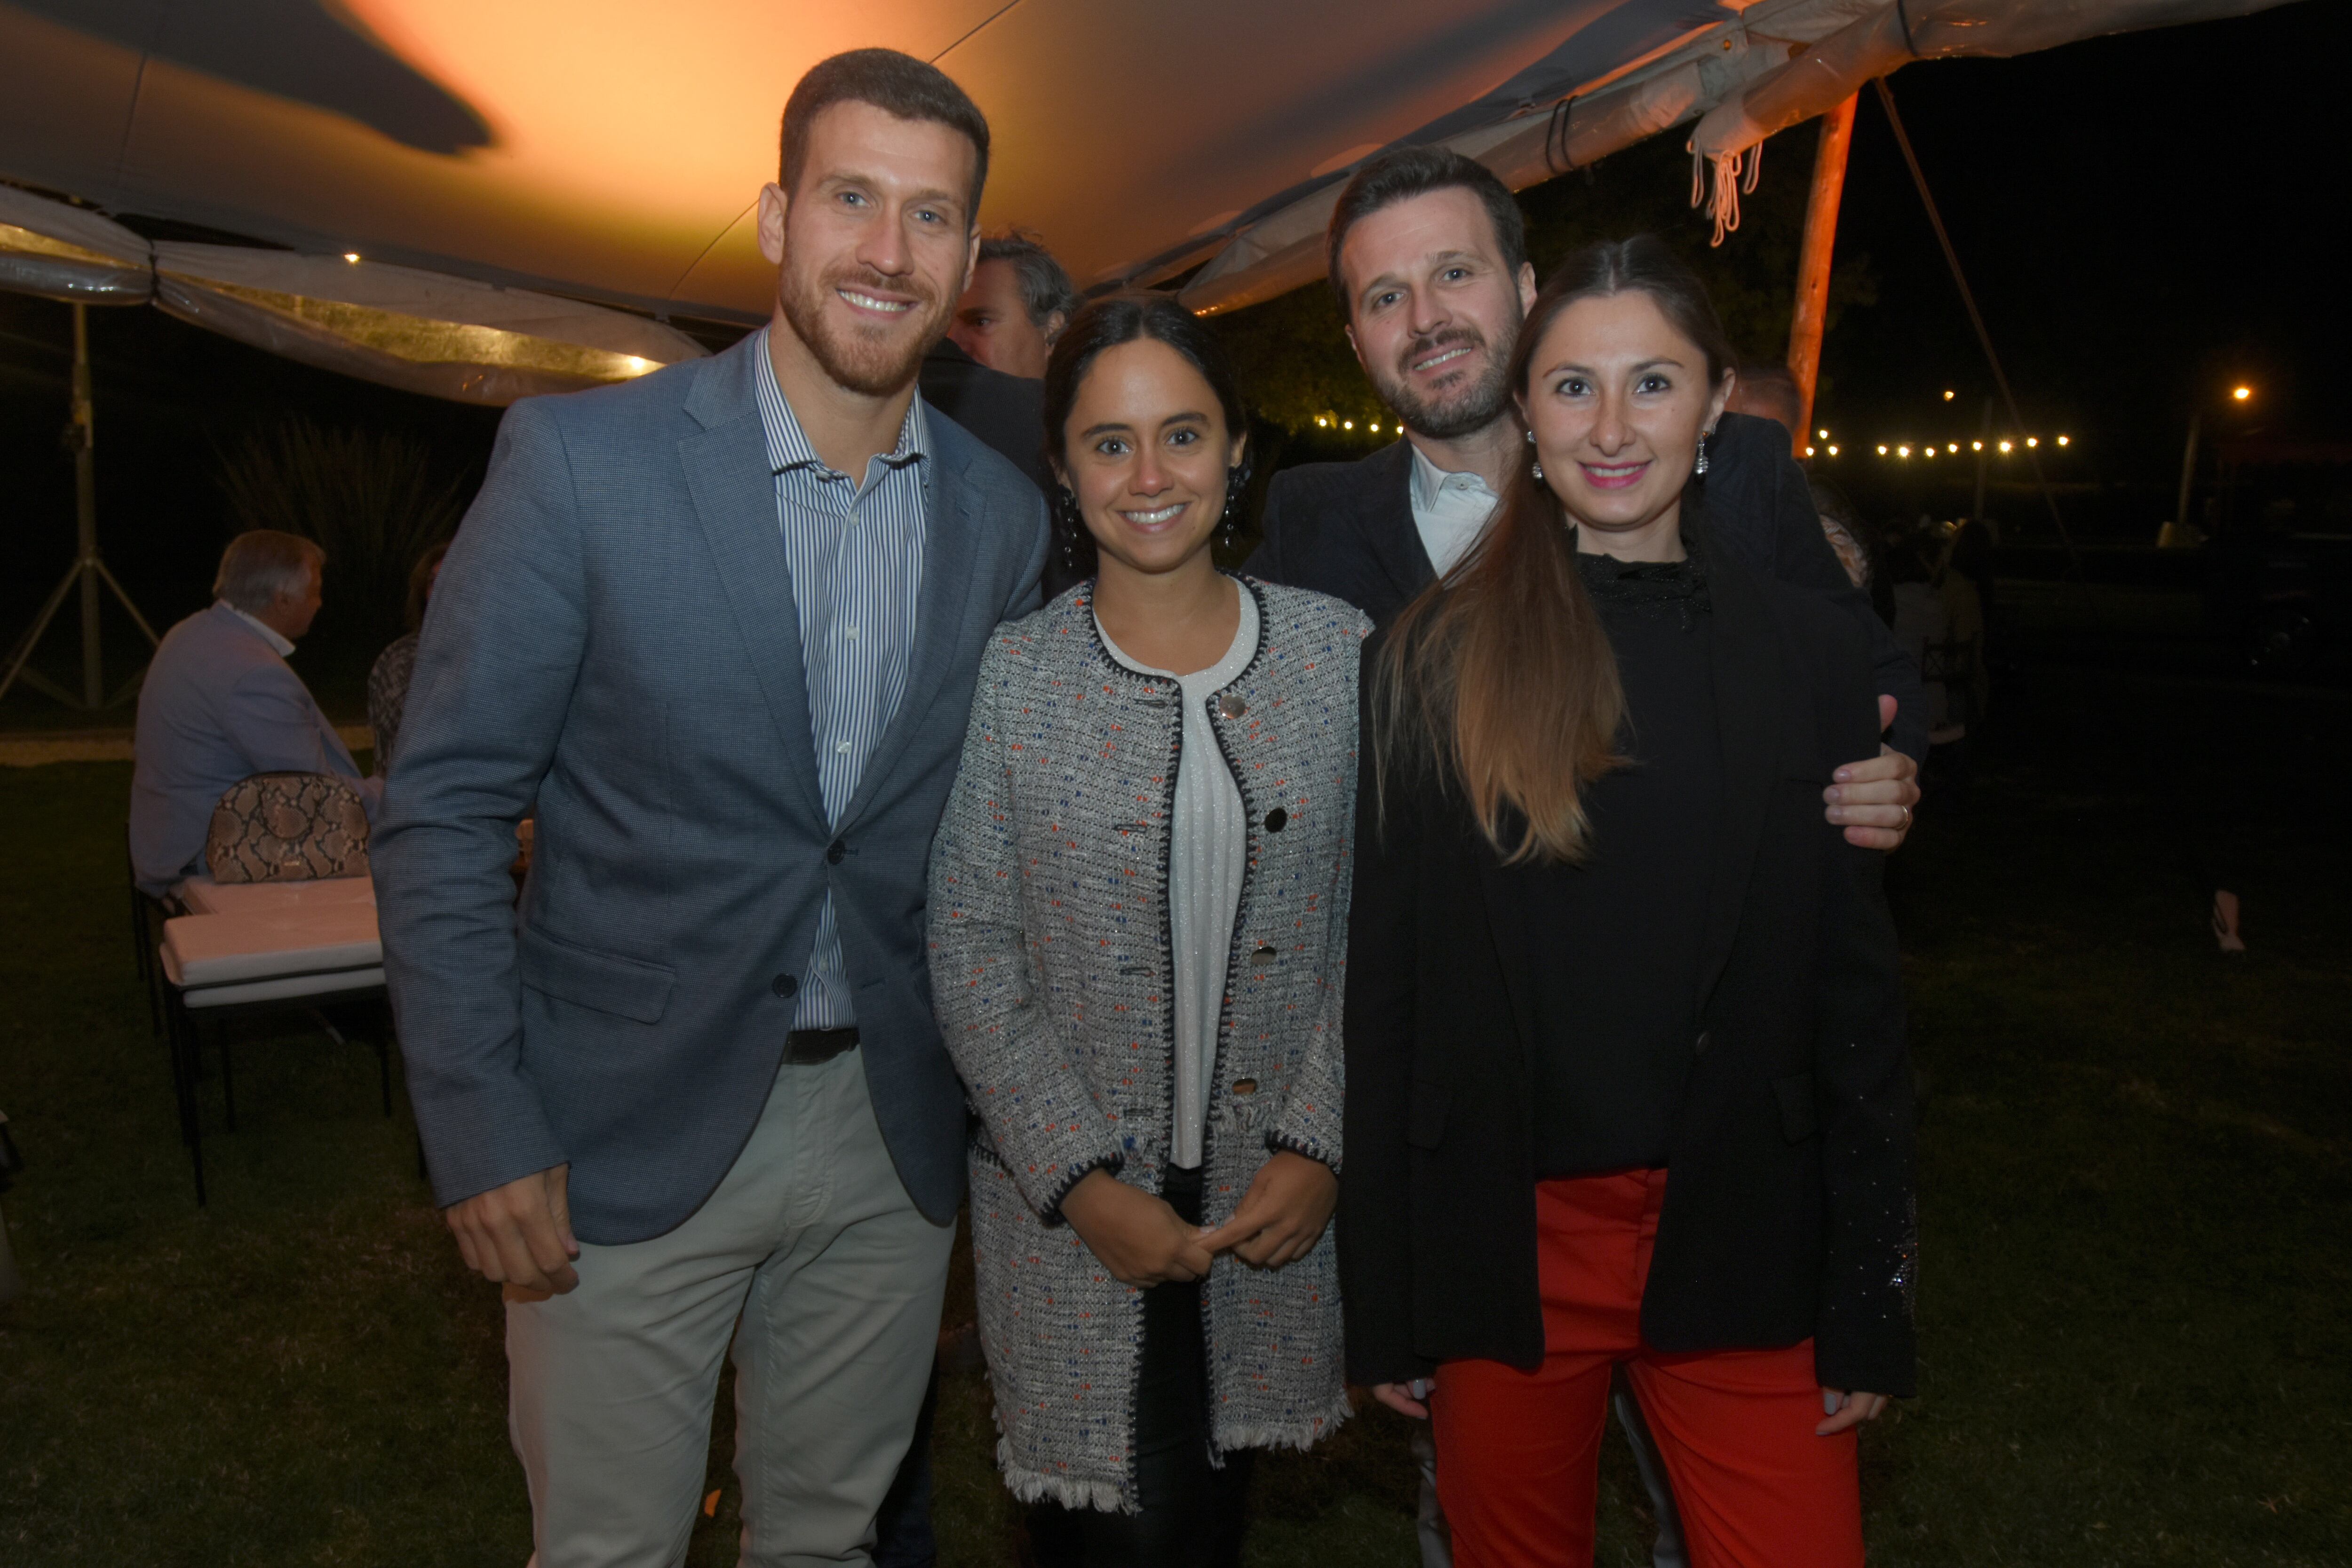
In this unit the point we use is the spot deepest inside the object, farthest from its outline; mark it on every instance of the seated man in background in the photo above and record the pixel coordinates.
(220, 704)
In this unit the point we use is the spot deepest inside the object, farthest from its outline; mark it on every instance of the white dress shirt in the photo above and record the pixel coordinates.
(277, 643)
(1449, 510)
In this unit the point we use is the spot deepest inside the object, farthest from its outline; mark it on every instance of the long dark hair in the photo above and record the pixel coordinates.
(1104, 324)
(1500, 676)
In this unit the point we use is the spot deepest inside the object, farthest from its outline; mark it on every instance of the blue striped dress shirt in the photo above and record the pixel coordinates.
(855, 554)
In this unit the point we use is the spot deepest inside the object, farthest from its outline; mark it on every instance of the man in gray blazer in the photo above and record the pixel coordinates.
(220, 704)
(718, 629)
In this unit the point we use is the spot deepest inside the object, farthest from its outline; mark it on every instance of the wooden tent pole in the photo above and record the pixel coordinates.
(1814, 260)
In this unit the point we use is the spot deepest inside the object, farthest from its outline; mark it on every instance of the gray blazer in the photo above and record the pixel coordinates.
(218, 705)
(1049, 939)
(612, 645)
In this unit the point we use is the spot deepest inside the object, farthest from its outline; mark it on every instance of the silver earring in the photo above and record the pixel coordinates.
(1705, 436)
(1537, 465)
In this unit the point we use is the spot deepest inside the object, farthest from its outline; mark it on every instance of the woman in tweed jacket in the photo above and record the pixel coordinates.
(1139, 910)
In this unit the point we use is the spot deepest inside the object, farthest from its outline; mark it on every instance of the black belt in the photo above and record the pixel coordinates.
(806, 1048)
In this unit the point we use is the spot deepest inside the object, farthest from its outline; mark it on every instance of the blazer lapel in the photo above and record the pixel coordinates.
(1748, 693)
(1387, 520)
(944, 609)
(734, 493)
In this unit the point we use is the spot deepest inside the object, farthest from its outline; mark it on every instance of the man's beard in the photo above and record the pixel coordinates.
(876, 361)
(1459, 411)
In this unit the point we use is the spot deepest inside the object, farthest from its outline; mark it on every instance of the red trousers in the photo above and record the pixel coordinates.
(1518, 1452)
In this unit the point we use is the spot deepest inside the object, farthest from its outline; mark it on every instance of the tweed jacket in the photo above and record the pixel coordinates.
(1053, 974)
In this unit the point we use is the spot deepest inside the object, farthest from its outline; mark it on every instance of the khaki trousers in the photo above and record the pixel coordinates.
(811, 1259)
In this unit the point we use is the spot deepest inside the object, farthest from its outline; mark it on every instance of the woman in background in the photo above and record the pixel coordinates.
(387, 687)
(1139, 905)
(1626, 1081)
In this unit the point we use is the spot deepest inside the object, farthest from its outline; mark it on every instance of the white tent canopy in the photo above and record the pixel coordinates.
(493, 165)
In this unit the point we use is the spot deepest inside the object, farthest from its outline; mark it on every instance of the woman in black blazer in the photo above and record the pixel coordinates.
(1626, 1081)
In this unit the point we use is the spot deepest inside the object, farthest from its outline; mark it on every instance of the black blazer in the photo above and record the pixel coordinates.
(1347, 529)
(1787, 1208)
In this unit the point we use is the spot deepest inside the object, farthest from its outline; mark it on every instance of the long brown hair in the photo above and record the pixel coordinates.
(1499, 676)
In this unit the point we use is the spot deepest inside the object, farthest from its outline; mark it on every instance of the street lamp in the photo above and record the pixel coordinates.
(2240, 395)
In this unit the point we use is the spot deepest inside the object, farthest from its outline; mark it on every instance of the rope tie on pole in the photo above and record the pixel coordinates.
(1723, 205)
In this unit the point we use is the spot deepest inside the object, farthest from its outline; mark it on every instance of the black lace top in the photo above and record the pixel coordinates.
(1618, 981)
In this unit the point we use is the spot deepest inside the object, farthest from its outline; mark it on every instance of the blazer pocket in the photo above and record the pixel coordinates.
(1799, 1118)
(602, 982)
(1425, 1125)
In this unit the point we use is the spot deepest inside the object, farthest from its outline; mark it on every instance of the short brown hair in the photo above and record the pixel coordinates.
(1401, 173)
(262, 565)
(897, 84)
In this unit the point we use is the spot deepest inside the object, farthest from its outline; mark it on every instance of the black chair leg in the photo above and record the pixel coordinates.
(228, 1073)
(185, 1041)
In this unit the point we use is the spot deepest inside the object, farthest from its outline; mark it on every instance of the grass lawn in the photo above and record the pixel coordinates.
(2137, 1183)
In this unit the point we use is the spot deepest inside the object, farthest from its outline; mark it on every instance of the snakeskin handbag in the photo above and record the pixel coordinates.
(288, 827)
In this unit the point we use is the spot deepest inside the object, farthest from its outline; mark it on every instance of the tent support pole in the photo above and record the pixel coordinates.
(1812, 313)
(89, 570)
(93, 677)
(1975, 319)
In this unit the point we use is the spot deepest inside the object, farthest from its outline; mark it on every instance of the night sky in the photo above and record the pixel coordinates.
(2143, 218)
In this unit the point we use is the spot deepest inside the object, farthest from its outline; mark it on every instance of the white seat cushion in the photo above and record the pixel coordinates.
(329, 983)
(203, 896)
(227, 949)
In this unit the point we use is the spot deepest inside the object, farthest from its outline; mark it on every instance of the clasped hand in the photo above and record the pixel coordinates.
(1143, 1242)
(519, 1234)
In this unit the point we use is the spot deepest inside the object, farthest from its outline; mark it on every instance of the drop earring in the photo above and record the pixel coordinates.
(1536, 466)
(1065, 510)
(1699, 467)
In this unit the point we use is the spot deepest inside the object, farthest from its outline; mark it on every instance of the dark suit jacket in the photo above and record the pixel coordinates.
(1345, 530)
(1007, 413)
(614, 638)
(1787, 1205)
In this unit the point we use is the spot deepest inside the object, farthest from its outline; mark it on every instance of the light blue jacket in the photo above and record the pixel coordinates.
(612, 638)
(218, 705)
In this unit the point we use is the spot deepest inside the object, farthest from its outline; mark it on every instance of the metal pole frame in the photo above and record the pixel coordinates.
(89, 570)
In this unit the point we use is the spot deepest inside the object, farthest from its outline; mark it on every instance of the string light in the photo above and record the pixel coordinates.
(1882, 450)
(2034, 440)
(1976, 446)
(1347, 425)
(1948, 396)
(1902, 451)
(2062, 440)
(1809, 451)
(2242, 392)
(2004, 445)
(351, 256)
(1822, 434)
(1832, 451)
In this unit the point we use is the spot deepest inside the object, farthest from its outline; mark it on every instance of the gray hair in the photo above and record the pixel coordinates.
(262, 565)
(1045, 289)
